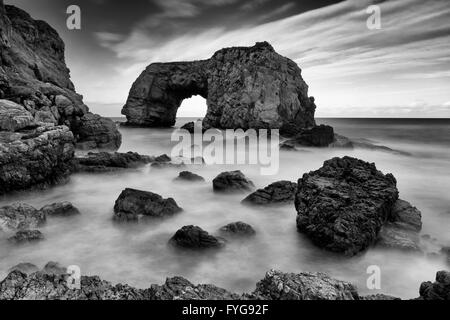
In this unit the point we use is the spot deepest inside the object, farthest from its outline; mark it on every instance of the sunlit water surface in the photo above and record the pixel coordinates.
(138, 254)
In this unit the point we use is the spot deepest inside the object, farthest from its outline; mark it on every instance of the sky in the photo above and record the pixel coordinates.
(399, 70)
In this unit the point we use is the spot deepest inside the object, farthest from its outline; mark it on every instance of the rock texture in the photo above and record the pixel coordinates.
(35, 158)
(133, 204)
(343, 205)
(189, 177)
(14, 117)
(60, 209)
(33, 74)
(105, 161)
(245, 87)
(276, 193)
(233, 181)
(439, 290)
(239, 229)
(319, 136)
(20, 216)
(27, 236)
(193, 237)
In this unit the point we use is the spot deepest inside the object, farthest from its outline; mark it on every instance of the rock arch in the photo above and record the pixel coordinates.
(245, 87)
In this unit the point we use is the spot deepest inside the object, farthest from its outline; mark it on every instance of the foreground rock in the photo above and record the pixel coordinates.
(238, 229)
(40, 157)
(245, 88)
(439, 290)
(193, 237)
(27, 236)
(343, 205)
(134, 204)
(277, 193)
(234, 181)
(20, 216)
(105, 161)
(60, 209)
(189, 177)
(33, 73)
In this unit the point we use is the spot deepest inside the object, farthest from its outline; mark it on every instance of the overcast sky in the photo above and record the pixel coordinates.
(401, 70)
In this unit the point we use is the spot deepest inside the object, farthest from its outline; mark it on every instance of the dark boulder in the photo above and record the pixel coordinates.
(133, 204)
(189, 177)
(239, 229)
(27, 236)
(343, 205)
(234, 181)
(276, 193)
(60, 209)
(319, 136)
(439, 290)
(163, 158)
(20, 216)
(193, 237)
(106, 161)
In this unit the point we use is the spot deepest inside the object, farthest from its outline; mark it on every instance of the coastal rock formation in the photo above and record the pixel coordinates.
(439, 290)
(14, 117)
(245, 87)
(343, 205)
(63, 209)
(38, 157)
(319, 136)
(133, 204)
(189, 176)
(233, 181)
(20, 216)
(33, 73)
(26, 236)
(239, 229)
(105, 161)
(278, 192)
(193, 237)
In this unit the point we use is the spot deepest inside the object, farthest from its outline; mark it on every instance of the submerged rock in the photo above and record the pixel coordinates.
(439, 290)
(105, 161)
(133, 204)
(239, 229)
(20, 216)
(233, 181)
(245, 87)
(193, 237)
(190, 177)
(343, 205)
(60, 209)
(27, 236)
(276, 193)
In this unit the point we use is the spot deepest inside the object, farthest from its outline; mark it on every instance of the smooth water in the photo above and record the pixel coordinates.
(138, 254)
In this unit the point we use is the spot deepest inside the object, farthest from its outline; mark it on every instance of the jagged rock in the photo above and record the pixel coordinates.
(105, 161)
(14, 117)
(304, 286)
(133, 204)
(245, 87)
(37, 158)
(439, 290)
(20, 216)
(318, 136)
(193, 237)
(343, 205)
(233, 181)
(278, 192)
(26, 268)
(33, 73)
(27, 236)
(60, 209)
(238, 229)
(178, 288)
(189, 176)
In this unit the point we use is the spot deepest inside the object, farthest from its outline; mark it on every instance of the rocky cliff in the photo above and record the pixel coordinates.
(33, 73)
(245, 87)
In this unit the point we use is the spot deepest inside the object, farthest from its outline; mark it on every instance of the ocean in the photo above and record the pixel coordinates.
(139, 255)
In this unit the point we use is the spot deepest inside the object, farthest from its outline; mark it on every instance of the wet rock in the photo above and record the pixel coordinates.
(318, 136)
(190, 177)
(240, 229)
(105, 161)
(26, 268)
(14, 117)
(277, 193)
(343, 205)
(234, 181)
(133, 204)
(439, 290)
(20, 216)
(193, 237)
(60, 209)
(245, 87)
(37, 158)
(304, 286)
(27, 236)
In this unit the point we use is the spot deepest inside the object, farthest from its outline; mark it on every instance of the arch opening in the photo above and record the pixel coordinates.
(192, 109)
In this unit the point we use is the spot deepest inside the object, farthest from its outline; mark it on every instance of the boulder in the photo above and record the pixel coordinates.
(239, 229)
(14, 117)
(193, 237)
(133, 204)
(342, 206)
(304, 286)
(26, 268)
(106, 161)
(189, 177)
(318, 136)
(96, 132)
(20, 216)
(234, 181)
(60, 209)
(41, 157)
(54, 268)
(405, 216)
(277, 193)
(439, 290)
(245, 87)
(27, 236)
